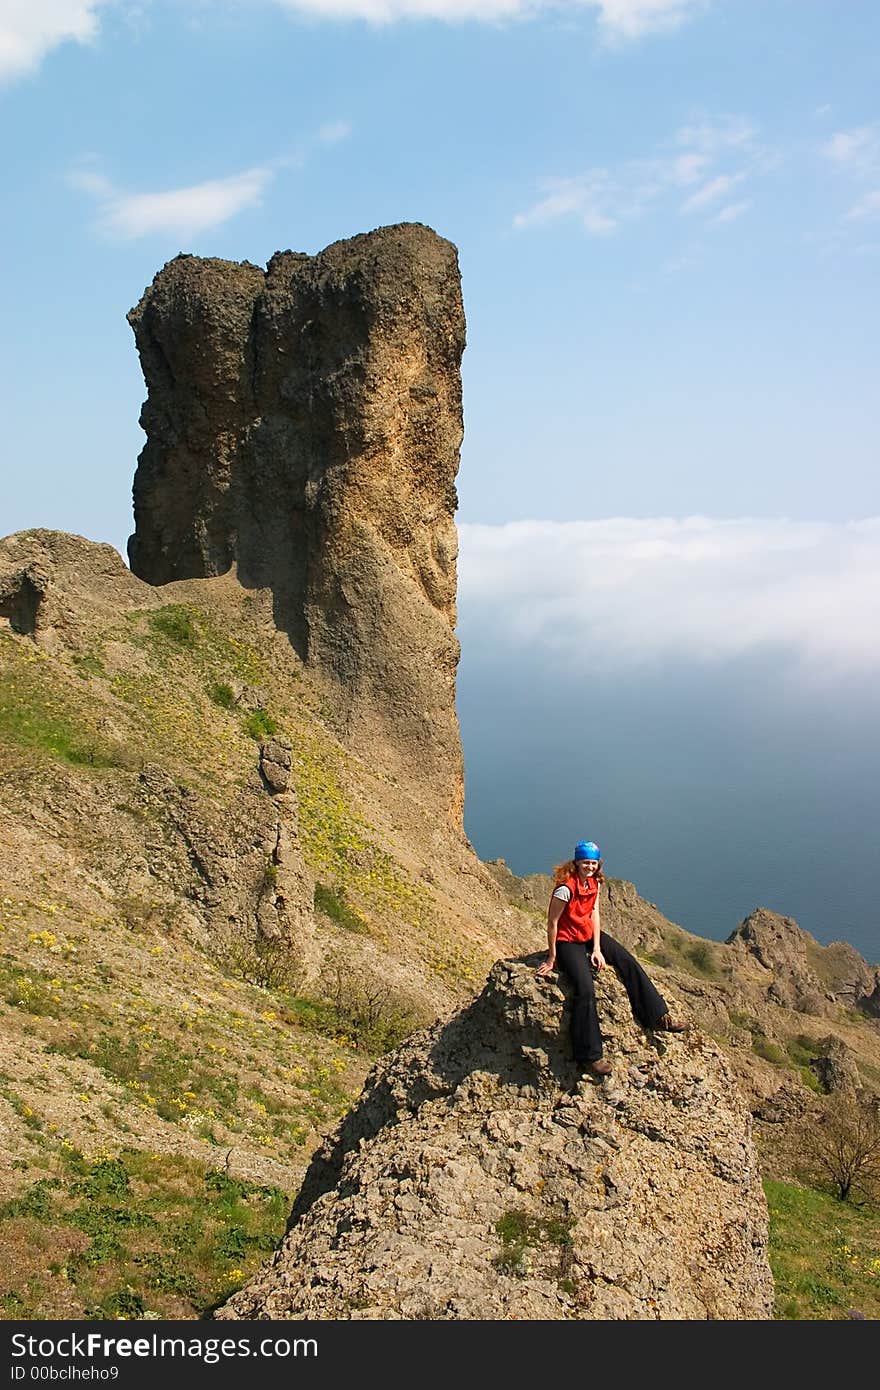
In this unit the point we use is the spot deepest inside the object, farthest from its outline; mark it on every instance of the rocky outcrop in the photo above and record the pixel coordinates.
(48, 577)
(848, 977)
(836, 1067)
(227, 867)
(479, 1177)
(772, 955)
(303, 425)
(766, 944)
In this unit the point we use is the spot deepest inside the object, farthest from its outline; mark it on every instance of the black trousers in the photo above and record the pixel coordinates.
(647, 1004)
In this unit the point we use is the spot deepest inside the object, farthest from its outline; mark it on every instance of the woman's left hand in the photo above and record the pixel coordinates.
(597, 960)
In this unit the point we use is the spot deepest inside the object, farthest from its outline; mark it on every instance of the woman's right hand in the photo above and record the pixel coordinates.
(546, 966)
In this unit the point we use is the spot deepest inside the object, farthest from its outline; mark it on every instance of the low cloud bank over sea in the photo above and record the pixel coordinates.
(694, 694)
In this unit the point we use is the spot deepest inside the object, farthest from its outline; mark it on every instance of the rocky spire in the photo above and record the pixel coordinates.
(304, 425)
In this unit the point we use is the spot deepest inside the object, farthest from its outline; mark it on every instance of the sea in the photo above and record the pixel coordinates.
(715, 788)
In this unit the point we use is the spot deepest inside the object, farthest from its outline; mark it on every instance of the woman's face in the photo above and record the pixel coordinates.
(586, 867)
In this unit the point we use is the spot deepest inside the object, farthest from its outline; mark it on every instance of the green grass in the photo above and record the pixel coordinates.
(222, 694)
(519, 1231)
(259, 724)
(160, 1073)
(39, 717)
(763, 1047)
(804, 1050)
(178, 623)
(332, 902)
(824, 1254)
(136, 1234)
(678, 952)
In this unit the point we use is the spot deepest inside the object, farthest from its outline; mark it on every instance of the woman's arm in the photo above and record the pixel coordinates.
(596, 956)
(554, 912)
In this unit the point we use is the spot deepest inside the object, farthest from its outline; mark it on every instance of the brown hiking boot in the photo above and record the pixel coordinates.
(668, 1024)
(599, 1068)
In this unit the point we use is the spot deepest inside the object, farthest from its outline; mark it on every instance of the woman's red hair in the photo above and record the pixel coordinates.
(563, 872)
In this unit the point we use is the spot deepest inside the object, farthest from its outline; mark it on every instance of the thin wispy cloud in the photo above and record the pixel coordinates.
(643, 591)
(178, 212)
(856, 153)
(618, 21)
(708, 160)
(182, 213)
(732, 211)
(712, 192)
(631, 19)
(866, 207)
(857, 149)
(30, 29)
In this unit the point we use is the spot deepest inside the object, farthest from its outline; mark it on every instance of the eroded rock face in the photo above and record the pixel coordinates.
(478, 1177)
(780, 948)
(304, 425)
(45, 575)
(791, 968)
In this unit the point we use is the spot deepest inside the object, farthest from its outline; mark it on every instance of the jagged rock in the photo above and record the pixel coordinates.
(478, 1177)
(47, 576)
(531, 891)
(848, 977)
(836, 1066)
(788, 1103)
(275, 763)
(304, 425)
(779, 946)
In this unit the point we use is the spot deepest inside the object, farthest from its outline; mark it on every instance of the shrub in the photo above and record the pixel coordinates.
(267, 962)
(373, 1017)
(702, 957)
(222, 694)
(843, 1149)
(176, 623)
(259, 723)
(762, 1045)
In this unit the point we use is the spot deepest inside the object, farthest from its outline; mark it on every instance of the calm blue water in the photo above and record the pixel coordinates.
(715, 790)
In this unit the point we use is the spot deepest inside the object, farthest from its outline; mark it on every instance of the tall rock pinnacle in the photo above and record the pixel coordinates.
(304, 424)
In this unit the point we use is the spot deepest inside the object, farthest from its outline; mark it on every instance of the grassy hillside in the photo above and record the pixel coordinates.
(170, 1054)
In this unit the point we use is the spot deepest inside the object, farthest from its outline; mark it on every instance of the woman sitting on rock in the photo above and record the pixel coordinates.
(576, 942)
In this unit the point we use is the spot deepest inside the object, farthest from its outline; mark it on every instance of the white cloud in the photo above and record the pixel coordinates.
(29, 29)
(632, 592)
(618, 20)
(732, 211)
(868, 206)
(388, 11)
(711, 192)
(181, 212)
(857, 149)
(856, 153)
(718, 155)
(630, 19)
(588, 197)
(712, 137)
(333, 131)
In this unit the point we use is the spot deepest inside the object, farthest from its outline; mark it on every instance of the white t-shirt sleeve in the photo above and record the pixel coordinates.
(563, 892)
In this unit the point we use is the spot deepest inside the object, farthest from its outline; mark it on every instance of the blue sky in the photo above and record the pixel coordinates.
(668, 222)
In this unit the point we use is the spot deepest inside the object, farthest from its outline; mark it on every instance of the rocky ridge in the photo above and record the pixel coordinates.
(479, 1177)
